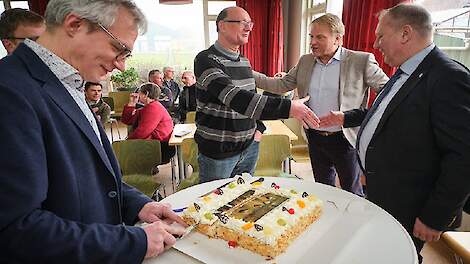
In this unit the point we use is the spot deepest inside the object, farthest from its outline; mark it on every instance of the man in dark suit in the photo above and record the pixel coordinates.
(414, 142)
(61, 195)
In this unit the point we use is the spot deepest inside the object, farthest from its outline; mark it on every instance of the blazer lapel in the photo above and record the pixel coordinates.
(344, 65)
(58, 93)
(310, 63)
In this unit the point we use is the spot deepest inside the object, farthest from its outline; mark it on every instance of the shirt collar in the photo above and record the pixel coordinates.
(231, 54)
(61, 69)
(410, 65)
(336, 56)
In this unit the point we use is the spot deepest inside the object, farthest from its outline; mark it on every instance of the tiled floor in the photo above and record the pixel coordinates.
(433, 253)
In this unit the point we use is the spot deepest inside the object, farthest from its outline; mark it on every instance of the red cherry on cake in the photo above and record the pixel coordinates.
(291, 211)
(232, 244)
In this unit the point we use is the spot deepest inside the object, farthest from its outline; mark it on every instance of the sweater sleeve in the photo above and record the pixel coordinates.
(216, 82)
(129, 115)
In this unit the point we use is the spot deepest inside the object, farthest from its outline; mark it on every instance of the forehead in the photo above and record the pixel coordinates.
(320, 29)
(95, 87)
(238, 14)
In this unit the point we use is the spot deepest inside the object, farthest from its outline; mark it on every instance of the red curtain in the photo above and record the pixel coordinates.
(265, 50)
(38, 6)
(360, 20)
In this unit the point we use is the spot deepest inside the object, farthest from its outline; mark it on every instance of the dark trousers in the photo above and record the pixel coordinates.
(331, 155)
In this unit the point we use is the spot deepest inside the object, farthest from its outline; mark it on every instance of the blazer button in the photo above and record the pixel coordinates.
(112, 194)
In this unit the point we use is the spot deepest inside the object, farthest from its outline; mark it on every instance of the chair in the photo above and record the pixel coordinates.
(459, 243)
(273, 150)
(120, 99)
(137, 158)
(111, 120)
(190, 117)
(190, 153)
(299, 148)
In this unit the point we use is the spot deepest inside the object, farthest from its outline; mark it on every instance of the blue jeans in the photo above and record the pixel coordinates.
(216, 169)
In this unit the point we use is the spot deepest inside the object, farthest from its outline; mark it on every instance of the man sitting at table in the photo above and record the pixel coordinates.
(150, 122)
(102, 110)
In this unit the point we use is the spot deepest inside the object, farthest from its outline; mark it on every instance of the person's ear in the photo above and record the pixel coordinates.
(406, 33)
(73, 24)
(9, 45)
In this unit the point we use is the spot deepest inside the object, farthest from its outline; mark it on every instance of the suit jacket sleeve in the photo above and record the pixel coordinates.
(450, 120)
(375, 76)
(354, 117)
(29, 233)
(277, 85)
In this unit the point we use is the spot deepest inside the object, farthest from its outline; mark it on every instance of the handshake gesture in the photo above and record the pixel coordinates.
(309, 119)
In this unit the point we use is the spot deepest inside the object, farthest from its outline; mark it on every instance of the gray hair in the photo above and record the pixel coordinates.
(409, 14)
(96, 11)
(166, 68)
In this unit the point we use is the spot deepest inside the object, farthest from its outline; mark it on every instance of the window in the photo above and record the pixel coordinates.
(211, 9)
(451, 23)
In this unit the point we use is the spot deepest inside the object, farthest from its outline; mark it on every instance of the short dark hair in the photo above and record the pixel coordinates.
(152, 72)
(151, 90)
(10, 19)
(221, 16)
(88, 84)
(410, 14)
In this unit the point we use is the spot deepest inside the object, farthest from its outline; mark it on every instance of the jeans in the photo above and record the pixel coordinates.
(216, 169)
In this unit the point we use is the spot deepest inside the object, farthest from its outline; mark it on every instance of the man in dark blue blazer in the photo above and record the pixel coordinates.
(414, 142)
(61, 195)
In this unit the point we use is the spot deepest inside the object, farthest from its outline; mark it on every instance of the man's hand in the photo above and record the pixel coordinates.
(258, 136)
(424, 232)
(160, 237)
(305, 115)
(334, 118)
(154, 212)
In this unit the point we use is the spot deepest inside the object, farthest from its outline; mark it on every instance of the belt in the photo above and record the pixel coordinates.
(325, 133)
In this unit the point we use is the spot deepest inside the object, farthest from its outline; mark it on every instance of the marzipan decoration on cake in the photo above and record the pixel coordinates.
(262, 218)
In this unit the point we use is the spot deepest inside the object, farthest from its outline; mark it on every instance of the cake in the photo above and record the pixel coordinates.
(264, 218)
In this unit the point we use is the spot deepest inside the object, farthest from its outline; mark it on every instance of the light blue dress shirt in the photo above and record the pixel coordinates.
(324, 87)
(408, 67)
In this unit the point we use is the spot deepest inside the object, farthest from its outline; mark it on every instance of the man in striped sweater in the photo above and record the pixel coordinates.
(228, 105)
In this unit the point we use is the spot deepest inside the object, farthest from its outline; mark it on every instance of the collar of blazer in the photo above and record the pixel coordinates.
(414, 79)
(57, 92)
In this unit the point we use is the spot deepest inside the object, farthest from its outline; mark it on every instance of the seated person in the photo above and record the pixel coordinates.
(187, 100)
(166, 97)
(151, 121)
(102, 110)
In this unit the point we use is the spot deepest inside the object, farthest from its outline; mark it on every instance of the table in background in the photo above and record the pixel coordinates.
(361, 232)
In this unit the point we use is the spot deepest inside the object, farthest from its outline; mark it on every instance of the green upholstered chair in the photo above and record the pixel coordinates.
(299, 147)
(120, 99)
(137, 157)
(190, 152)
(273, 150)
(190, 117)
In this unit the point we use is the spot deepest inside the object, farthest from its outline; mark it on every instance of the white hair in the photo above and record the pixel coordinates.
(96, 11)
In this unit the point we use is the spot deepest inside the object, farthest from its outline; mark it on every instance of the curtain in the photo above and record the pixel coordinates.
(360, 20)
(38, 6)
(265, 50)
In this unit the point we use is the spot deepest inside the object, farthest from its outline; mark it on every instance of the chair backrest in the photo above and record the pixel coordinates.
(294, 125)
(190, 117)
(273, 150)
(137, 156)
(190, 152)
(120, 100)
(109, 101)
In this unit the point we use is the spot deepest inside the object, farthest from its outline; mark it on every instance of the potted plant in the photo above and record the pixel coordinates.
(126, 80)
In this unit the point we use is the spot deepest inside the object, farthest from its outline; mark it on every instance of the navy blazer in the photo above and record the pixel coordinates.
(418, 160)
(61, 195)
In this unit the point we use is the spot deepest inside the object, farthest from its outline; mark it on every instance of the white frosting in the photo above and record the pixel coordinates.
(274, 223)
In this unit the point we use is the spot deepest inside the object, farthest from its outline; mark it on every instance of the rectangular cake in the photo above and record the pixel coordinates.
(262, 218)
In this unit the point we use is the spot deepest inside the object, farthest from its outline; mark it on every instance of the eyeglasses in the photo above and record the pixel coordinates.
(243, 23)
(125, 52)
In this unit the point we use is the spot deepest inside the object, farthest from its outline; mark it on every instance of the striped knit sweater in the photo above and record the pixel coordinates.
(227, 103)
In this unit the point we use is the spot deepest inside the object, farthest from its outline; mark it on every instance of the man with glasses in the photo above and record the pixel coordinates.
(228, 105)
(18, 24)
(166, 96)
(168, 82)
(61, 195)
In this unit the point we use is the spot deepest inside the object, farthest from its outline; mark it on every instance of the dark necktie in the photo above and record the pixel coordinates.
(388, 86)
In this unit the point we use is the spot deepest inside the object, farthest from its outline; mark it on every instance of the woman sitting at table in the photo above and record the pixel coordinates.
(151, 121)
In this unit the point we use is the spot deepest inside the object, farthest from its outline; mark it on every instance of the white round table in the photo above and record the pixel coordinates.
(350, 230)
